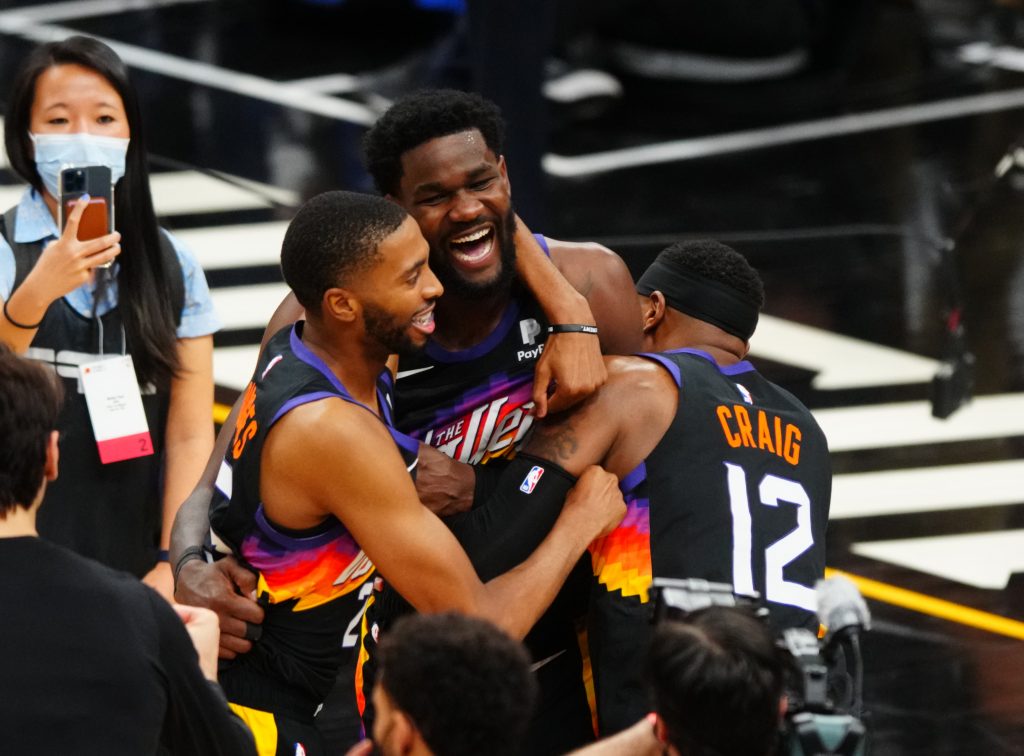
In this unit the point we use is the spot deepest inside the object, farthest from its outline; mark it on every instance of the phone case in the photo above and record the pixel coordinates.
(93, 180)
(94, 222)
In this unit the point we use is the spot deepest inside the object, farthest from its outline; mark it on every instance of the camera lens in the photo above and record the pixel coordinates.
(74, 181)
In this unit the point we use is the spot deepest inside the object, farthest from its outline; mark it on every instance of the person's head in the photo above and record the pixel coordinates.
(360, 261)
(439, 155)
(698, 292)
(717, 684)
(72, 102)
(451, 685)
(76, 86)
(30, 400)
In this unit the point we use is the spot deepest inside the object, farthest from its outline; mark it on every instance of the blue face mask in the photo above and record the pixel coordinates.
(56, 151)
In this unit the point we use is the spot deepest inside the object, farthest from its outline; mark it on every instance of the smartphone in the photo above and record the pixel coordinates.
(94, 180)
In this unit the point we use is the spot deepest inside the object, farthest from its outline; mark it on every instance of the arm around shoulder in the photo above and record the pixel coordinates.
(369, 490)
(601, 276)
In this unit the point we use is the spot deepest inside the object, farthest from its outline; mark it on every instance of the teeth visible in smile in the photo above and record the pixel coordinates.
(472, 237)
(423, 319)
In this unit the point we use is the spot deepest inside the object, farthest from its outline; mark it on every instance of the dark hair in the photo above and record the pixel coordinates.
(717, 262)
(717, 679)
(421, 117)
(147, 310)
(30, 400)
(465, 684)
(333, 235)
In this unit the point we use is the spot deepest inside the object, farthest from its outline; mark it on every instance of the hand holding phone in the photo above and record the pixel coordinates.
(66, 263)
(93, 180)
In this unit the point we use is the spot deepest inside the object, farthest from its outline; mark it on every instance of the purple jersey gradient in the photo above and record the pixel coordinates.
(486, 422)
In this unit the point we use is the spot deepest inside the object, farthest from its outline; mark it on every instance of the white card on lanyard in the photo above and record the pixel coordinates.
(115, 409)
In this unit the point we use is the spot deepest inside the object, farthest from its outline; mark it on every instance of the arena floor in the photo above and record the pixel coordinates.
(842, 185)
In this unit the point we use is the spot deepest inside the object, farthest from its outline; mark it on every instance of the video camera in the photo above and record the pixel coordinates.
(815, 724)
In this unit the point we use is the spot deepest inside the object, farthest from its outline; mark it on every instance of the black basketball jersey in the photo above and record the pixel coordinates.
(311, 581)
(474, 404)
(736, 491)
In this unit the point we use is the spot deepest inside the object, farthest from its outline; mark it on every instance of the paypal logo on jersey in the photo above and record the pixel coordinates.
(529, 329)
(531, 480)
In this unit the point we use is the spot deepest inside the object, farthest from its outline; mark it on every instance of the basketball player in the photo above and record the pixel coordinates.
(726, 476)
(316, 487)
(488, 365)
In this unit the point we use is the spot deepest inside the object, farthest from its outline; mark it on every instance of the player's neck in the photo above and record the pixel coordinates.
(356, 364)
(684, 332)
(464, 323)
(723, 357)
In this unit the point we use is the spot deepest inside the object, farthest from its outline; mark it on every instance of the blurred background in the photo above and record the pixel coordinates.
(865, 155)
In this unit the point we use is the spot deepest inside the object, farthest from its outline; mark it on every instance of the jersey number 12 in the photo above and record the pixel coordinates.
(772, 490)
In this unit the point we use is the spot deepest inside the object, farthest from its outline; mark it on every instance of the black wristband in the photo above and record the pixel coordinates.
(572, 328)
(192, 552)
(163, 555)
(15, 323)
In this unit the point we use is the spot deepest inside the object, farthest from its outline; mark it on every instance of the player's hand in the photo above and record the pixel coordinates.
(229, 590)
(444, 486)
(67, 263)
(597, 497)
(161, 580)
(204, 630)
(571, 368)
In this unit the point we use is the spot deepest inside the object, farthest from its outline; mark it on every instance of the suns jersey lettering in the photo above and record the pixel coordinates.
(475, 404)
(309, 581)
(736, 491)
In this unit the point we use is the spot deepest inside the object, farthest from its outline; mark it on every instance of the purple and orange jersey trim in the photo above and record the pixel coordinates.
(487, 422)
(622, 559)
(314, 569)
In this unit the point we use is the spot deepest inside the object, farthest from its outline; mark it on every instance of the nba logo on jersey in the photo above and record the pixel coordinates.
(745, 394)
(300, 750)
(532, 478)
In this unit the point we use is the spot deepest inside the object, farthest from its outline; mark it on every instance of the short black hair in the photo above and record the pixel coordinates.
(465, 684)
(333, 235)
(423, 116)
(717, 679)
(30, 401)
(717, 262)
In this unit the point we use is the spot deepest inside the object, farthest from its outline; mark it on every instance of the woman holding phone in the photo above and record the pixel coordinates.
(77, 303)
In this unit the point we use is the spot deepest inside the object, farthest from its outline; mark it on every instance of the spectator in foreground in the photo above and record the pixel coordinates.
(86, 646)
(450, 685)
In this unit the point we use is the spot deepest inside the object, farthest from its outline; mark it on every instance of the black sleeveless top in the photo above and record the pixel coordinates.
(736, 491)
(309, 581)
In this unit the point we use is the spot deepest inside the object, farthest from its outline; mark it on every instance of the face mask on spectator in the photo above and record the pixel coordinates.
(56, 151)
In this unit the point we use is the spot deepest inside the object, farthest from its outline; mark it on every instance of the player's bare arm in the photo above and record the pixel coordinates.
(224, 586)
(571, 363)
(602, 277)
(639, 396)
(331, 457)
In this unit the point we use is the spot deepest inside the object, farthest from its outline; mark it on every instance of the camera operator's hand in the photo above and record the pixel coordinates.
(201, 625)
